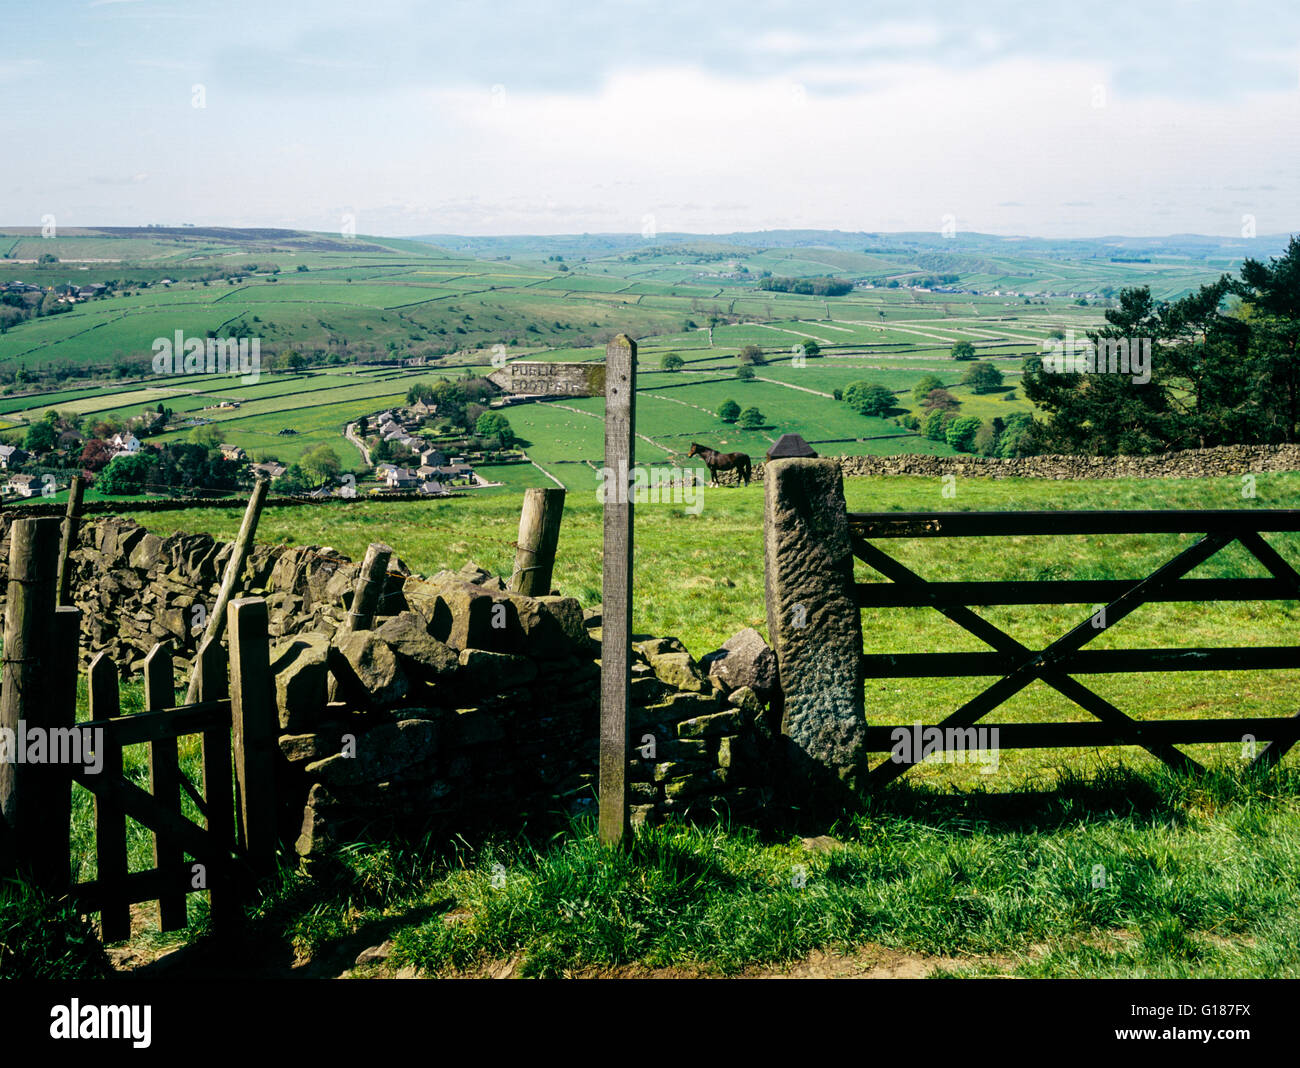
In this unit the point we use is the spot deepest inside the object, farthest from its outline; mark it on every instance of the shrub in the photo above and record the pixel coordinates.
(927, 383)
(936, 424)
(982, 376)
(869, 398)
(941, 399)
(960, 433)
(752, 418)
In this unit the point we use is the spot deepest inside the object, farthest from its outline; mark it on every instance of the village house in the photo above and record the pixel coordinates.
(402, 478)
(11, 456)
(271, 468)
(232, 452)
(125, 443)
(23, 485)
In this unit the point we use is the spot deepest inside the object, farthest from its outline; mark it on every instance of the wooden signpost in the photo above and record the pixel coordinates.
(615, 380)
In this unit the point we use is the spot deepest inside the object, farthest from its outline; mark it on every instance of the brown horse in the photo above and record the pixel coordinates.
(721, 461)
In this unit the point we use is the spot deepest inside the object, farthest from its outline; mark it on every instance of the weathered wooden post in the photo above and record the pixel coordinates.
(218, 791)
(371, 580)
(539, 534)
(616, 571)
(29, 691)
(110, 821)
(233, 576)
(165, 785)
(71, 524)
(255, 724)
(615, 380)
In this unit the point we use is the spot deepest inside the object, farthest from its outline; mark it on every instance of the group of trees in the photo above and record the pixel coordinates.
(1224, 369)
(749, 418)
(318, 466)
(820, 286)
(183, 466)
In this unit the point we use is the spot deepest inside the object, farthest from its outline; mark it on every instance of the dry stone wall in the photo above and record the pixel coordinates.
(1188, 463)
(463, 705)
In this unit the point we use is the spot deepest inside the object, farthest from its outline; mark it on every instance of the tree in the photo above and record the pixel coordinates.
(752, 418)
(745, 374)
(869, 398)
(986, 439)
(942, 400)
(936, 423)
(293, 481)
(963, 350)
(96, 455)
(729, 411)
(810, 347)
(960, 433)
(40, 437)
(495, 425)
(924, 386)
(128, 473)
(1017, 437)
(363, 426)
(672, 362)
(420, 391)
(751, 355)
(982, 376)
(209, 435)
(321, 463)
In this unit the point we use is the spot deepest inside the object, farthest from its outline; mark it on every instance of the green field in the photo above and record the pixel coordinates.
(374, 298)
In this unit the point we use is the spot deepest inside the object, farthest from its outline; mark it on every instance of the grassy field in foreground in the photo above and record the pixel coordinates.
(1068, 863)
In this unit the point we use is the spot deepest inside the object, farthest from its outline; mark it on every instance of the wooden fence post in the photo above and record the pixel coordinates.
(218, 788)
(371, 581)
(616, 569)
(539, 533)
(165, 784)
(255, 724)
(110, 820)
(29, 691)
(65, 664)
(71, 524)
(234, 574)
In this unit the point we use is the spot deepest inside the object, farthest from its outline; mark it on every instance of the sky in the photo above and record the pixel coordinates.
(395, 117)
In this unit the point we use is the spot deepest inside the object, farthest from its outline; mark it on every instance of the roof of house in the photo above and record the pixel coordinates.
(789, 445)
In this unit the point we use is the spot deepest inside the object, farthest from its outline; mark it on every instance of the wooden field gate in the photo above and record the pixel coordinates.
(235, 718)
(1015, 665)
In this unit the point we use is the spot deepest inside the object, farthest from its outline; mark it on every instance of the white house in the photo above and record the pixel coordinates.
(127, 442)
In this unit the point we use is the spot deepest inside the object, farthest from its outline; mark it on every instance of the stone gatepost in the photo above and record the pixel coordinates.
(813, 622)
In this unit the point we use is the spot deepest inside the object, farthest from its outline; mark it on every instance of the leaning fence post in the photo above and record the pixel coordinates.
(234, 573)
(28, 690)
(110, 820)
(371, 580)
(254, 721)
(71, 524)
(813, 619)
(165, 784)
(539, 533)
